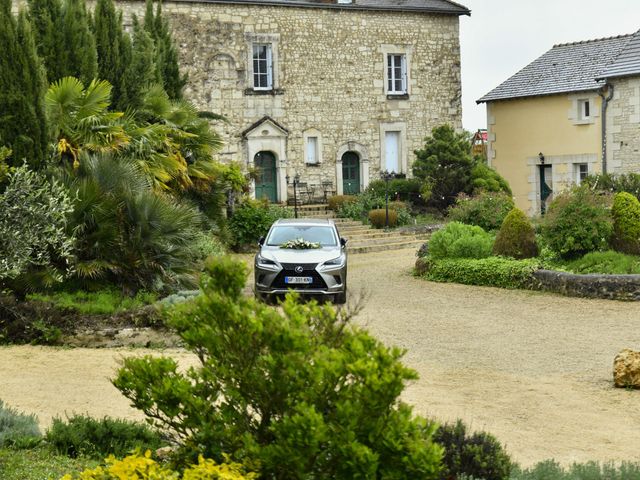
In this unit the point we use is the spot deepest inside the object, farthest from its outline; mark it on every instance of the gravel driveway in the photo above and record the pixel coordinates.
(532, 368)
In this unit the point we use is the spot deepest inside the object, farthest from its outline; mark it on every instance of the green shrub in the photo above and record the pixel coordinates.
(485, 209)
(82, 435)
(378, 218)
(103, 302)
(457, 240)
(478, 455)
(336, 202)
(297, 389)
(139, 466)
(551, 470)
(613, 183)
(516, 238)
(609, 263)
(485, 178)
(207, 244)
(17, 429)
(577, 222)
(251, 220)
(39, 463)
(363, 203)
(405, 189)
(626, 223)
(490, 272)
(36, 249)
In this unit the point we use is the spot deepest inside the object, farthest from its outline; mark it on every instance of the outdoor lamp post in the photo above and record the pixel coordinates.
(386, 176)
(296, 180)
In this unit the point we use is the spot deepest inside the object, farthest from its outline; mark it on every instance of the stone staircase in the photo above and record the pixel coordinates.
(363, 238)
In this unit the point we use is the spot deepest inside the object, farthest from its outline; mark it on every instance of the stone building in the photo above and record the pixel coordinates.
(331, 90)
(545, 123)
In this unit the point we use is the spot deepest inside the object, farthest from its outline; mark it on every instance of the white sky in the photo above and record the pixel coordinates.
(502, 36)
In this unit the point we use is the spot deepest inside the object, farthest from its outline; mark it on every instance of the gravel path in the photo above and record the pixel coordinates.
(534, 369)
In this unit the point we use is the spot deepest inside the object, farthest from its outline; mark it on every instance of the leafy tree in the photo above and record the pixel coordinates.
(298, 391)
(79, 56)
(33, 222)
(81, 121)
(23, 126)
(168, 68)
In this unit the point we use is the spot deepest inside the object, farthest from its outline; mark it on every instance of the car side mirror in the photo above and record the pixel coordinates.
(261, 241)
(343, 242)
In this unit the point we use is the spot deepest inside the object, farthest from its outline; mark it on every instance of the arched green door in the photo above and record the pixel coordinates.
(350, 173)
(266, 187)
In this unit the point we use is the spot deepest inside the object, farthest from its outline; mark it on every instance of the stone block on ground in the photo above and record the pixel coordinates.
(626, 369)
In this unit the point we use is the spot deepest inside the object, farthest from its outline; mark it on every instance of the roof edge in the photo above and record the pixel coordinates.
(551, 94)
(457, 9)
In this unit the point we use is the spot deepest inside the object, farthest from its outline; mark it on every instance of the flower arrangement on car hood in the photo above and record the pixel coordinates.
(300, 244)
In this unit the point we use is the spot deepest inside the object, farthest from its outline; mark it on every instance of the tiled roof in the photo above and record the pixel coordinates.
(627, 62)
(427, 6)
(568, 67)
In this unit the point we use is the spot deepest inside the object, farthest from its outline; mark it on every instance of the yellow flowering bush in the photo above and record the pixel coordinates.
(143, 467)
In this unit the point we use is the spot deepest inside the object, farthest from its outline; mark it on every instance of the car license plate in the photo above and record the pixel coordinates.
(298, 280)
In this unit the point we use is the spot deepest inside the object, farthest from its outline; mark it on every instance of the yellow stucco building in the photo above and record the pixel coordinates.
(545, 123)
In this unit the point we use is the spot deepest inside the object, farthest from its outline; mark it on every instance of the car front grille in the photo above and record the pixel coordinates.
(309, 270)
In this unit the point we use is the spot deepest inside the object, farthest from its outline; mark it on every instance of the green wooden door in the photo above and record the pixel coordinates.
(266, 187)
(350, 173)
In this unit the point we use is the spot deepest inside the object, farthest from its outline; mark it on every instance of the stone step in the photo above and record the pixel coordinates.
(382, 234)
(359, 242)
(413, 244)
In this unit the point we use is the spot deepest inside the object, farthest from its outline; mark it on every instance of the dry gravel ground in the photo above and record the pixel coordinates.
(534, 369)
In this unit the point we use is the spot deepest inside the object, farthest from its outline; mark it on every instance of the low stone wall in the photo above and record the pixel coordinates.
(612, 287)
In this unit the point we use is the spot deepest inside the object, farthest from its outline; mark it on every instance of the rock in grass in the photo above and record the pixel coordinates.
(626, 369)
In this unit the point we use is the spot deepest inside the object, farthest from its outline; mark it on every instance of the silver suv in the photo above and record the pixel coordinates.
(320, 270)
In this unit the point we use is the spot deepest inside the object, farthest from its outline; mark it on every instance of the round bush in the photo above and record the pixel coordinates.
(486, 209)
(516, 237)
(577, 222)
(337, 201)
(378, 217)
(626, 223)
(458, 240)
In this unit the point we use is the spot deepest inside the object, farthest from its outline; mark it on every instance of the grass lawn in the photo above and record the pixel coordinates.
(39, 464)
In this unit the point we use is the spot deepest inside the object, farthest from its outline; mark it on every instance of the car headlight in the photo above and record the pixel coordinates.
(265, 262)
(336, 261)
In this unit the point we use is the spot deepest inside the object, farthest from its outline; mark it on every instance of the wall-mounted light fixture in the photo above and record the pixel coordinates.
(541, 157)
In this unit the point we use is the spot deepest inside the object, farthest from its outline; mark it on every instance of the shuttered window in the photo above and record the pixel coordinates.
(397, 74)
(392, 151)
(262, 66)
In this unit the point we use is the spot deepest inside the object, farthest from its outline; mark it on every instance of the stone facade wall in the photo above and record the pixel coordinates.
(623, 126)
(329, 72)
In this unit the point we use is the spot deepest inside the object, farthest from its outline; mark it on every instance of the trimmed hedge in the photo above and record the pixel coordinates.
(491, 272)
(516, 237)
(337, 201)
(626, 223)
(378, 218)
(458, 240)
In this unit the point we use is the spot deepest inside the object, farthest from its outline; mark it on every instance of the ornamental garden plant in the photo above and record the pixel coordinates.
(584, 231)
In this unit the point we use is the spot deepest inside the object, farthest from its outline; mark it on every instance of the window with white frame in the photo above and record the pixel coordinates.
(392, 151)
(262, 66)
(584, 109)
(396, 74)
(581, 172)
(312, 150)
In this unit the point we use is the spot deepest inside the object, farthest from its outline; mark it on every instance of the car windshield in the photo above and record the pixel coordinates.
(311, 233)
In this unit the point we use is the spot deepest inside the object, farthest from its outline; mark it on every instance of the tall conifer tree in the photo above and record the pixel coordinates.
(80, 56)
(111, 44)
(46, 20)
(141, 71)
(168, 69)
(22, 87)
